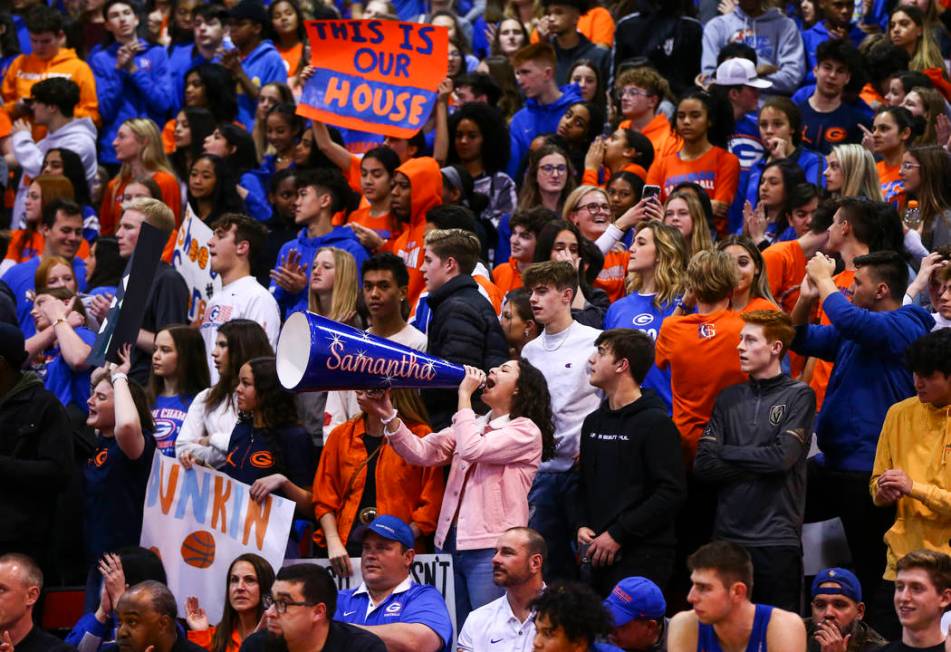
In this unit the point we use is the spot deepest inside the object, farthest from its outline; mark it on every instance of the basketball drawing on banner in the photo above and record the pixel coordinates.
(192, 260)
(198, 520)
(374, 75)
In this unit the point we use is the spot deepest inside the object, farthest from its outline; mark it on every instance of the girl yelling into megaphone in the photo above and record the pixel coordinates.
(494, 459)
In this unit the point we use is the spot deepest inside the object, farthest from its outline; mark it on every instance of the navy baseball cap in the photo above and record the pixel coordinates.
(846, 583)
(635, 598)
(389, 527)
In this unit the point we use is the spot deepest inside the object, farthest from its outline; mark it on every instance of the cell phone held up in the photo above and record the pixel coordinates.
(651, 192)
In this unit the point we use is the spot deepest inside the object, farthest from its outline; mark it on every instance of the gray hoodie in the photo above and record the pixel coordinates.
(774, 37)
(78, 135)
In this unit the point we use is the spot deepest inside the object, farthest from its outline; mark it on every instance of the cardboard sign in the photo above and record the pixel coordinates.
(124, 319)
(199, 520)
(435, 570)
(191, 260)
(374, 75)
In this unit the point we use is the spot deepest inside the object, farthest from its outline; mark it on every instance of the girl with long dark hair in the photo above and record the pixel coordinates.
(212, 189)
(776, 184)
(192, 126)
(561, 240)
(179, 373)
(236, 147)
(926, 173)
(209, 86)
(893, 132)
(493, 461)
(62, 162)
(287, 24)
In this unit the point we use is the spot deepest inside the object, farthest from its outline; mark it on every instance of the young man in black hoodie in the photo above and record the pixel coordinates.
(464, 327)
(631, 480)
(753, 451)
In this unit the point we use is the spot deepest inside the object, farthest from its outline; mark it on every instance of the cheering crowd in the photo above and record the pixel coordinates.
(695, 257)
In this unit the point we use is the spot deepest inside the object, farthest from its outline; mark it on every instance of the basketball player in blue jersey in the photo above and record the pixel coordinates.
(723, 619)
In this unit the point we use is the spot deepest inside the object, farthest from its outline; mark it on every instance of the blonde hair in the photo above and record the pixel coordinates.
(700, 239)
(670, 263)
(156, 213)
(859, 174)
(712, 275)
(153, 153)
(343, 305)
(574, 198)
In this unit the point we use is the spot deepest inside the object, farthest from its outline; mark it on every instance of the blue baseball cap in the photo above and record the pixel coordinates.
(389, 527)
(635, 598)
(846, 583)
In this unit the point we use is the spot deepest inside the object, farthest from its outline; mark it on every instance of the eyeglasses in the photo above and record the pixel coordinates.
(280, 605)
(548, 168)
(908, 165)
(594, 207)
(632, 92)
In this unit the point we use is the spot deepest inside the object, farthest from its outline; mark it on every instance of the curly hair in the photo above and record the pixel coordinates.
(495, 135)
(575, 608)
(221, 97)
(532, 401)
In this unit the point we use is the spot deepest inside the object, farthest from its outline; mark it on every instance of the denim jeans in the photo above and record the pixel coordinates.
(472, 575)
(547, 501)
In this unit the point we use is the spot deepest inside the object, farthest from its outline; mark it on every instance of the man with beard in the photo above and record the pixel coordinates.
(517, 566)
(837, 611)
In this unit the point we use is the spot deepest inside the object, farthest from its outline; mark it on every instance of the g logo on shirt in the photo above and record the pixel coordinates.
(262, 460)
(643, 319)
(393, 610)
(101, 457)
(706, 331)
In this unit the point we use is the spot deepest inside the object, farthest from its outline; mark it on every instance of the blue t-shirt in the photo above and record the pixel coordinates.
(822, 131)
(419, 603)
(114, 495)
(638, 311)
(169, 413)
(255, 453)
(745, 144)
(70, 387)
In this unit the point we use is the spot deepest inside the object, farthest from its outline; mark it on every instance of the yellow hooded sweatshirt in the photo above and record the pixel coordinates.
(916, 438)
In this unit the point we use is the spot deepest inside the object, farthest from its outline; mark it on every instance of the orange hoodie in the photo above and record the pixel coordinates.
(27, 69)
(425, 181)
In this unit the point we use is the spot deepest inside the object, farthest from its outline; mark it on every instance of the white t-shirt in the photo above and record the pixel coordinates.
(563, 360)
(342, 405)
(241, 299)
(215, 424)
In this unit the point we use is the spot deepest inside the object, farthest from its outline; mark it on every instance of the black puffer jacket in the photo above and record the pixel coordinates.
(464, 329)
(36, 454)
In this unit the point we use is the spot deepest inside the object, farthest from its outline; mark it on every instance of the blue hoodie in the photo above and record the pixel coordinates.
(341, 237)
(868, 349)
(145, 93)
(262, 65)
(535, 119)
(775, 38)
(813, 37)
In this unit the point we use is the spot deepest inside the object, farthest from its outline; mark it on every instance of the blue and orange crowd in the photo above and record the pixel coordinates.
(694, 256)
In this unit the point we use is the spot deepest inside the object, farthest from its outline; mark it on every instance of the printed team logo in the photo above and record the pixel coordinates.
(748, 149)
(706, 331)
(163, 430)
(643, 319)
(218, 314)
(262, 460)
(776, 413)
(101, 457)
(394, 609)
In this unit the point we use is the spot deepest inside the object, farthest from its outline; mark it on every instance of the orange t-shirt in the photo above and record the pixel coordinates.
(700, 351)
(291, 57)
(822, 370)
(590, 176)
(168, 136)
(30, 245)
(203, 638)
(111, 210)
(507, 277)
(598, 25)
(611, 278)
(495, 294)
(785, 267)
(409, 246)
(382, 224)
(759, 303)
(893, 188)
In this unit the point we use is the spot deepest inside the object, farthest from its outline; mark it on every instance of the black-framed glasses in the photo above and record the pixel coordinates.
(594, 207)
(280, 604)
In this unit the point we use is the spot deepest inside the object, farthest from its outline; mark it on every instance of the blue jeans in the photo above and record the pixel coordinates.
(472, 575)
(547, 502)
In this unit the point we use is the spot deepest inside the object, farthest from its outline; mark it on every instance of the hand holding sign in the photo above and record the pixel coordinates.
(374, 75)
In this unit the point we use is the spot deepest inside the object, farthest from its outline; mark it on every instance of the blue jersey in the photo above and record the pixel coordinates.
(707, 640)
(745, 144)
(409, 603)
(168, 413)
(638, 311)
(71, 387)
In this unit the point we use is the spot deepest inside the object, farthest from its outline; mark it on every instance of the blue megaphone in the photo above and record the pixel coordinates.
(316, 354)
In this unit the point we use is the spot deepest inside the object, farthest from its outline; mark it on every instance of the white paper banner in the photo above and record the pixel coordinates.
(199, 520)
(192, 261)
(435, 570)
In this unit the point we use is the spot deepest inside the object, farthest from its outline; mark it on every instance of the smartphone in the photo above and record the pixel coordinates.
(650, 192)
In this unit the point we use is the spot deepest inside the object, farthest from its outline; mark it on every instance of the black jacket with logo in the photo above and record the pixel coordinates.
(754, 450)
(630, 473)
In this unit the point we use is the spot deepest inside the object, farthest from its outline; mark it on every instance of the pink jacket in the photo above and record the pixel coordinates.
(493, 465)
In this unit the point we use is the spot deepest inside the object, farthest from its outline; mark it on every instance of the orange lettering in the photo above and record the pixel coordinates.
(257, 518)
(167, 492)
(337, 91)
(218, 506)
